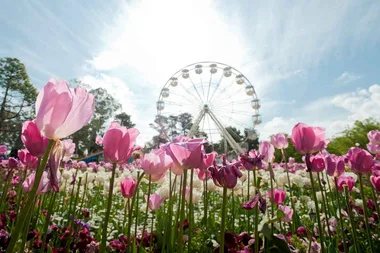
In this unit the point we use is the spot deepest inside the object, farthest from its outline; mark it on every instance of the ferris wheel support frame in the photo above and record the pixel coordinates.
(235, 146)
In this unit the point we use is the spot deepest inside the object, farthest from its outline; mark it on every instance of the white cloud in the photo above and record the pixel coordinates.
(334, 113)
(347, 77)
(120, 91)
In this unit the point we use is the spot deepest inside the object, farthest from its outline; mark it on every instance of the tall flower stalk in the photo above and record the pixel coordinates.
(108, 211)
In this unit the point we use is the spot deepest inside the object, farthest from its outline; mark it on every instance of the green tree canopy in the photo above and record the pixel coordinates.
(17, 100)
(353, 136)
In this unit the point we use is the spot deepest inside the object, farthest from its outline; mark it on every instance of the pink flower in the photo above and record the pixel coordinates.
(68, 149)
(27, 159)
(3, 149)
(34, 142)
(335, 165)
(118, 143)
(128, 187)
(266, 149)
(208, 161)
(203, 175)
(308, 139)
(99, 140)
(288, 213)
(292, 160)
(61, 111)
(226, 175)
(360, 160)
(279, 141)
(157, 162)
(374, 137)
(186, 155)
(155, 201)
(317, 163)
(278, 196)
(373, 148)
(252, 160)
(345, 180)
(375, 180)
(43, 187)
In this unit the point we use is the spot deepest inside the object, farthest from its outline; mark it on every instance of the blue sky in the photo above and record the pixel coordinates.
(312, 61)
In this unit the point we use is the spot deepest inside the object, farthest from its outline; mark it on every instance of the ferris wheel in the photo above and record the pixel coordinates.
(217, 96)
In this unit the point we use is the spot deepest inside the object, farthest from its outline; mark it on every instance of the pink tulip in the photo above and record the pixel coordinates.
(279, 141)
(373, 148)
(118, 143)
(68, 149)
(226, 175)
(374, 137)
(27, 159)
(208, 161)
(252, 160)
(317, 163)
(345, 180)
(335, 165)
(43, 187)
(288, 213)
(186, 155)
(54, 162)
(155, 201)
(375, 180)
(292, 160)
(360, 160)
(3, 149)
(157, 162)
(99, 140)
(203, 175)
(278, 196)
(308, 139)
(128, 187)
(32, 139)
(61, 111)
(266, 149)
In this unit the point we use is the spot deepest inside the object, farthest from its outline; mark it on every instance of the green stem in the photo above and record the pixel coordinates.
(47, 220)
(151, 234)
(205, 202)
(147, 206)
(25, 234)
(106, 219)
(222, 224)
(352, 221)
(248, 198)
(374, 198)
(182, 213)
(327, 215)
(257, 239)
(340, 219)
(137, 193)
(272, 203)
(191, 207)
(21, 218)
(320, 231)
(365, 213)
(290, 188)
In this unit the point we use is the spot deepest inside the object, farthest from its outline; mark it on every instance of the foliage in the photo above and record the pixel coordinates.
(353, 136)
(105, 108)
(124, 120)
(17, 100)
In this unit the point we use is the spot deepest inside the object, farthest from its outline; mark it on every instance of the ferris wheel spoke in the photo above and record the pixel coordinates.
(232, 103)
(203, 91)
(221, 91)
(209, 85)
(233, 111)
(195, 88)
(188, 92)
(189, 99)
(224, 96)
(230, 119)
(216, 87)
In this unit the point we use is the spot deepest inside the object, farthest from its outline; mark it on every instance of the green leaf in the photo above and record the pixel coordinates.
(267, 232)
(282, 245)
(332, 249)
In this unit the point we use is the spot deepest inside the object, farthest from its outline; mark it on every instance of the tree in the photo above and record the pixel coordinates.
(235, 134)
(105, 108)
(124, 120)
(17, 100)
(353, 136)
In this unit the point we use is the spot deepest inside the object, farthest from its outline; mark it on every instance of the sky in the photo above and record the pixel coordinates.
(316, 62)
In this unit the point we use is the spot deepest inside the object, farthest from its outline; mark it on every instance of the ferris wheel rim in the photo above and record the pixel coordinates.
(208, 65)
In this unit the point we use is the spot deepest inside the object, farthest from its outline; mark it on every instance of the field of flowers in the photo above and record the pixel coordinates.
(177, 198)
